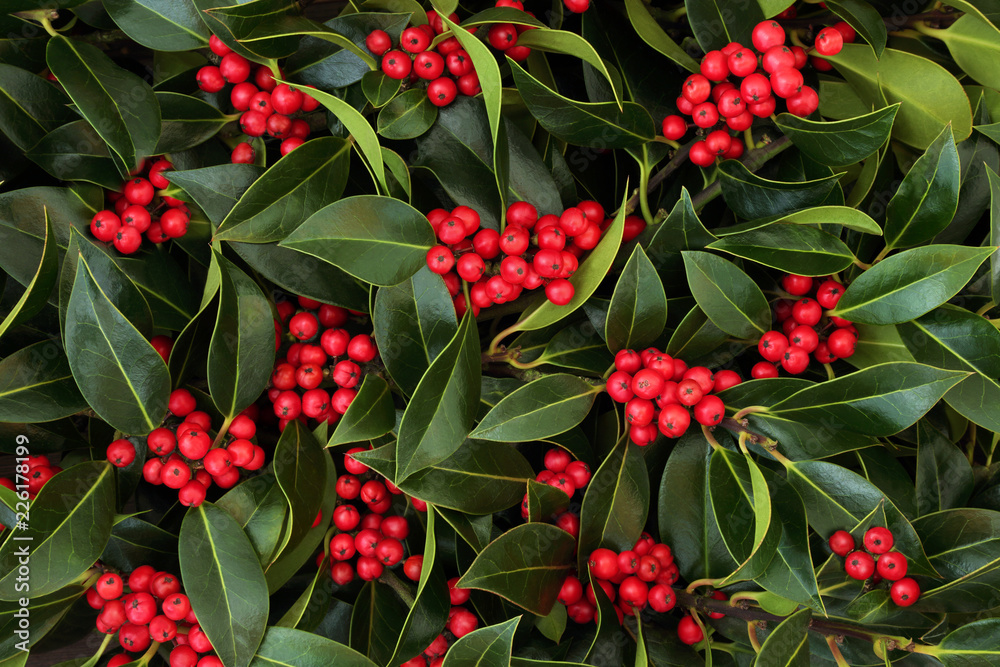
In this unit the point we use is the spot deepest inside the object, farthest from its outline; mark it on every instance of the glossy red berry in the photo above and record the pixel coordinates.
(859, 565)
(829, 41)
(709, 411)
(905, 592)
(234, 68)
(396, 64)
(891, 566)
(767, 34)
(378, 42)
(442, 91)
(689, 632)
(842, 343)
(878, 540)
(841, 543)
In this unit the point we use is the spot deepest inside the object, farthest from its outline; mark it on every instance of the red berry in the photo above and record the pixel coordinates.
(428, 65)
(243, 153)
(414, 40)
(742, 62)
(715, 66)
(217, 46)
(804, 337)
(689, 632)
(767, 34)
(772, 345)
(841, 343)
(705, 115)
(891, 566)
(795, 360)
(674, 420)
(859, 565)
(234, 68)
(709, 411)
(878, 540)
(121, 453)
(786, 82)
(674, 127)
(807, 312)
(442, 91)
(828, 294)
(560, 291)
(378, 42)
(700, 154)
(905, 592)
(803, 103)
(396, 64)
(829, 42)
(603, 563)
(210, 79)
(841, 543)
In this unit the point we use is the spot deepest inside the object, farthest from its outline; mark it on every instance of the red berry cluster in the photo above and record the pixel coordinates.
(267, 107)
(38, 470)
(803, 328)
(633, 579)
(446, 66)
(537, 251)
(878, 562)
(311, 363)
(183, 457)
(134, 209)
(747, 84)
(563, 472)
(154, 609)
(660, 393)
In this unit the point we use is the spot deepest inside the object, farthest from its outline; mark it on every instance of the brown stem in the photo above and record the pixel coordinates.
(731, 424)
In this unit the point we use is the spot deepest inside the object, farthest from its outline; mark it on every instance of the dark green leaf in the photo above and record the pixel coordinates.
(119, 373)
(907, 285)
(717, 22)
(370, 414)
(695, 336)
(650, 32)
(974, 645)
(788, 645)
(577, 346)
(135, 542)
(439, 416)
(259, 28)
(944, 476)
(638, 310)
(167, 290)
(616, 503)
(540, 409)
(37, 292)
(300, 470)
(841, 142)
(475, 530)
(45, 613)
(994, 237)
(216, 189)
(417, 312)
(927, 198)
(569, 43)
(682, 230)
(379, 88)
(259, 507)
(186, 121)
(963, 545)
(30, 106)
(791, 248)
(36, 385)
(163, 25)
(241, 353)
(580, 123)
(117, 103)
(376, 621)
(75, 152)
(728, 296)
(289, 647)
(297, 186)
(865, 19)
(377, 239)
(751, 196)
(486, 647)
(69, 524)
(407, 116)
(225, 583)
(544, 501)
(844, 216)
(526, 565)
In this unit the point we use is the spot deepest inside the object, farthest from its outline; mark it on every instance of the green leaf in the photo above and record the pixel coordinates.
(911, 283)
(728, 296)
(135, 542)
(118, 104)
(370, 414)
(962, 545)
(569, 43)
(792, 248)
(577, 346)
(865, 19)
(279, 33)
(650, 32)
(165, 287)
(376, 621)
(380, 240)
(300, 470)
(877, 401)
(840, 142)
(616, 502)
(241, 352)
(972, 42)
(927, 198)
(526, 566)
(311, 605)
(974, 645)
(30, 106)
(788, 644)
(69, 524)
(715, 23)
(186, 122)
(944, 475)
(475, 530)
(259, 507)
(293, 189)
(695, 336)
(216, 189)
(413, 323)
(75, 152)
(994, 237)
(289, 647)
(682, 230)
(486, 647)
(364, 136)
(36, 385)
(638, 310)
(596, 125)
(439, 415)
(46, 612)
(379, 88)
(119, 373)
(36, 294)
(929, 96)
(585, 281)
(224, 581)
(407, 116)
(540, 409)
(544, 501)
(162, 25)
(750, 196)
(844, 216)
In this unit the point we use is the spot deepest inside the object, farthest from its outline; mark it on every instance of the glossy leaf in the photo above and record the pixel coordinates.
(578, 347)
(929, 96)
(544, 501)
(751, 196)
(119, 373)
(377, 239)
(650, 32)
(840, 142)
(526, 566)
(569, 43)
(974, 645)
(962, 545)
(296, 648)
(121, 107)
(994, 237)
(911, 283)
(30, 106)
(379, 88)
(293, 189)
(37, 292)
(407, 116)
(682, 230)
(224, 581)
(75, 152)
(972, 41)
(581, 123)
(728, 296)
(186, 121)
(695, 336)
(540, 409)
(944, 475)
(36, 385)
(638, 310)
(927, 198)
(376, 621)
(844, 216)
(439, 415)
(300, 470)
(370, 414)
(486, 647)
(163, 25)
(717, 22)
(216, 189)
(259, 506)
(241, 352)
(616, 502)
(880, 401)
(865, 19)
(791, 248)
(788, 645)
(70, 522)
(45, 612)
